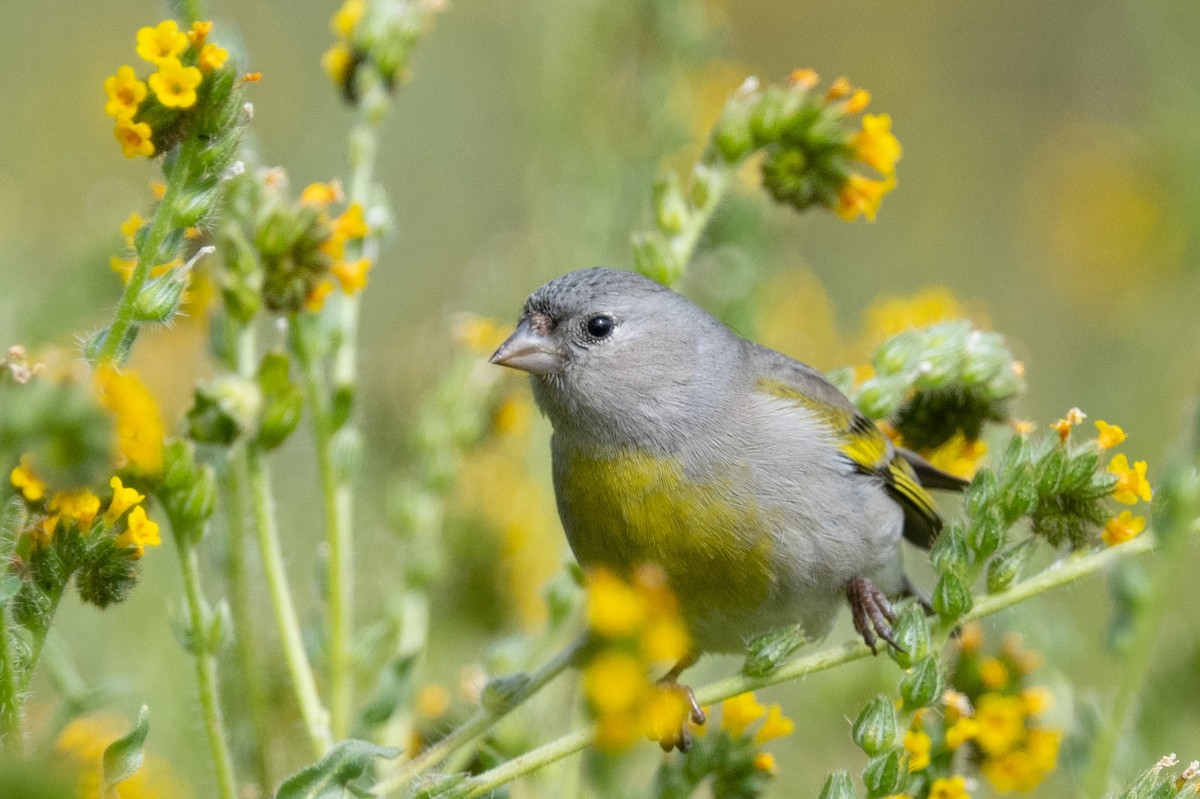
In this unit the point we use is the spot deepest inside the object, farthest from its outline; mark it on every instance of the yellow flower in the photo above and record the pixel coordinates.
(838, 89)
(970, 638)
(1064, 425)
(949, 788)
(432, 701)
(158, 189)
(858, 101)
(993, 674)
(740, 712)
(1036, 700)
(131, 226)
(134, 138)
(42, 533)
(1001, 721)
(959, 456)
(614, 608)
(212, 56)
(79, 505)
(26, 481)
(1022, 427)
(775, 725)
(315, 300)
(139, 427)
(122, 500)
(1131, 481)
(861, 196)
(140, 533)
(808, 78)
(346, 19)
(174, 84)
(614, 682)
(1123, 528)
(616, 732)
(321, 194)
(666, 712)
(765, 762)
(351, 224)
(336, 62)
(199, 33)
(666, 640)
(917, 744)
(1042, 745)
(162, 42)
(352, 274)
(875, 145)
(80, 749)
(1110, 434)
(125, 93)
(960, 732)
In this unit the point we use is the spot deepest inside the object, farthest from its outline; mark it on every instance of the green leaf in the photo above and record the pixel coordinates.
(331, 776)
(124, 756)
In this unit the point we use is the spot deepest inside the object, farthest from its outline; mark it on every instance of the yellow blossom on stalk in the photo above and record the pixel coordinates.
(614, 608)
(861, 196)
(125, 93)
(858, 101)
(765, 762)
(432, 701)
(352, 275)
(139, 426)
(838, 89)
(199, 33)
(122, 500)
(1063, 426)
(959, 456)
(875, 145)
(1110, 435)
(336, 62)
(1036, 700)
(315, 300)
(993, 674)
(212, 56)
(917, 744)
(1123, 528)
(666, 640)
(131, 226)
(806, 77)
(79, 505)
(174, 84)
(23, 478)
(666, 712)
(346, 19)
(134, 138)
(320, 195)
(141, 532)
(1131, 481)
(1001, 723)
(739, 712)
(775, 725)
(949, 788)
(162, 42)
(351, 224)
(960, 732)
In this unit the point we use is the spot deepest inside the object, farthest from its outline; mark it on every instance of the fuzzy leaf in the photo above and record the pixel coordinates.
(124, 756)
(331, 776)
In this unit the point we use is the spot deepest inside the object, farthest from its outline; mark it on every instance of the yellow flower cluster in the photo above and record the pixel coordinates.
(139, 426)
(874, 146)
(181, 60)
(344, 23)
(348, 228)
(637, 625)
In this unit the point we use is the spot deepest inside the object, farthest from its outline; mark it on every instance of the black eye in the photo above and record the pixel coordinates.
(600, 326)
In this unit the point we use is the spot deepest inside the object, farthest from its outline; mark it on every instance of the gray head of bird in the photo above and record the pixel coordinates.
(619, 358)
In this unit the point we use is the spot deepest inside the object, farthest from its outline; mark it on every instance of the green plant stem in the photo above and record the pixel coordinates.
(316, 718)
(683, 244)
(1061, 573)
(232, 482)
(483, 720)
(12, 737)
(39, 639)
(206, 669)
(149, 255)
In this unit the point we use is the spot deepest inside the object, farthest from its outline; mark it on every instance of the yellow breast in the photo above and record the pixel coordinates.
(625, 509)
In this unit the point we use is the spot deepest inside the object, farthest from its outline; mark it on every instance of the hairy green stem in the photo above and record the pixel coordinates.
(206, 669)
(316, 718)
(683, 244)
(232, 481)
(12, 736)
(483, 720)
(40, 631)
(1061, 573)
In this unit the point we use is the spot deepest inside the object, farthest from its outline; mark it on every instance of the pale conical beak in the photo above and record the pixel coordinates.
(530, 351)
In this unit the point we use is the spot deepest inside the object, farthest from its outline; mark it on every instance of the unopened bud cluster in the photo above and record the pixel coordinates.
(375, 42)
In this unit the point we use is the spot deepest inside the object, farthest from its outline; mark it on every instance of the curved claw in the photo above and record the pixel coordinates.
(681, 738)
(873, 614)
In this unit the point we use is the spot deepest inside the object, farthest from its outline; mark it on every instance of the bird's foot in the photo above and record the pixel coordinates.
(675, 734)
(873, 614)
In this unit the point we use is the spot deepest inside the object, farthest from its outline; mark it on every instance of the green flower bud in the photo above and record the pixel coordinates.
(95, 344)
(194, 204)
(921, 684)
(224, 409)
(912, 633)
(500, 692)
(159, 299)
(766, 652)
(950, 552)
(879, 397)
(773, 113)
(670, 208)
(283, 401)
(951, 599)
(838, 786)
(877, 728)
(652, 257)
(732, 135)
(1005, 566)
(884, 774)
(703, 177)
(985, 534)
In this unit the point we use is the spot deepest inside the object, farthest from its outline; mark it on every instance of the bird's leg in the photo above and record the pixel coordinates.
(681, 739)
(873, 614)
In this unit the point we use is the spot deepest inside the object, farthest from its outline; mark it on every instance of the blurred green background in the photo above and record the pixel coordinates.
(1050, 181)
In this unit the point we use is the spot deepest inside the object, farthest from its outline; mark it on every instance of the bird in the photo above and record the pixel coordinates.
(763, 494)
